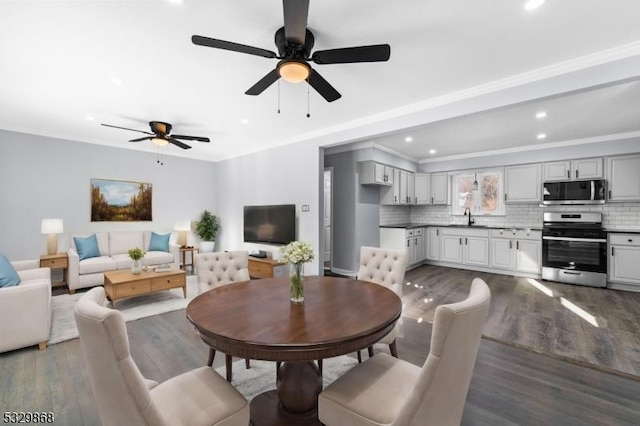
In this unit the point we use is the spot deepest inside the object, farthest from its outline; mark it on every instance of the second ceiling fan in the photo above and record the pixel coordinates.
(294, 42)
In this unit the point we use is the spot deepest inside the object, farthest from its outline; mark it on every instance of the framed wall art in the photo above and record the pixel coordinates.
(120, 201)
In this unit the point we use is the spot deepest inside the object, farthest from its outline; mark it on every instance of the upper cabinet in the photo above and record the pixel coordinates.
(373, 173)
(440, 188)
(584, 168)
(623, 174)
(523, 184)
(422, 188)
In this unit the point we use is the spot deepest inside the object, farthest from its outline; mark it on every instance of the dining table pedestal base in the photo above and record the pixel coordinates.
(295, 400)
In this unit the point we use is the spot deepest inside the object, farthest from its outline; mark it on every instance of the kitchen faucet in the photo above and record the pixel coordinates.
(471, 221)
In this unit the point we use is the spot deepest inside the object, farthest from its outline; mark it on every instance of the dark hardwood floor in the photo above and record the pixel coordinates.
(510, 385)
(593, 326)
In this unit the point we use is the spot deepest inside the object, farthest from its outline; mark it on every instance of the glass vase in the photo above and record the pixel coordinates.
(296, 283)
(136, 266)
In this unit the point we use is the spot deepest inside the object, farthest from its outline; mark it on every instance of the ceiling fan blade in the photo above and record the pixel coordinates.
(191, 138)
(142, 139)
(323, 87)
(348, 55)
(265, 82)
(178, 143)
(234, 47)
(126, 128)
(295, 20)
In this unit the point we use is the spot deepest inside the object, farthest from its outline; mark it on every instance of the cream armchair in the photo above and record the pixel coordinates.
(386, 268)
(125, 397)
(25, 309)
(388, 391)
(218, 269)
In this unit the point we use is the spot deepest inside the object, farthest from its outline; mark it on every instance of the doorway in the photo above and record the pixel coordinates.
(327, 215)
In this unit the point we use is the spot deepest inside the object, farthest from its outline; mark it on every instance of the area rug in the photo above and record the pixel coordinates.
(63, 325)
(261, 377)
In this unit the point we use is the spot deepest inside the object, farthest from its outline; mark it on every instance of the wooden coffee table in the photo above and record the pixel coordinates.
(121, 284)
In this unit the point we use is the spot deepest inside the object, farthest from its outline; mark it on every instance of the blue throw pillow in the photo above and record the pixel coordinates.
(8, 275)
(87, 247)
(159, 242)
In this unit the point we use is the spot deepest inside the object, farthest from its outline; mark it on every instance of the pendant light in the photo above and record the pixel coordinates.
(475, 181)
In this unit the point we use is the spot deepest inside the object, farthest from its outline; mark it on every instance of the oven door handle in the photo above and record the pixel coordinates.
(583, 240)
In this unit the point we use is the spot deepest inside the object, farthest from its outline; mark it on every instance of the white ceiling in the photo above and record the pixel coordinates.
(57, 59)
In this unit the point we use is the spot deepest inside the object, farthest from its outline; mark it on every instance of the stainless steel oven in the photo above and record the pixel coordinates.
(574, 249)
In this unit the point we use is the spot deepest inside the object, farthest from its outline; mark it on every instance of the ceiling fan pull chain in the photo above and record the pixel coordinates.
(308, 114)
(278, 96)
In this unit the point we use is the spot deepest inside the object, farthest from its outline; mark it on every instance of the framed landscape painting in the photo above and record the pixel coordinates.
(120, 201)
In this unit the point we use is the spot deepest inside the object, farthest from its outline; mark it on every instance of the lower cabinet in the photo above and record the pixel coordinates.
(411, 241)
(432, 243)
(624, 260)
(465, 246)
(517, 250)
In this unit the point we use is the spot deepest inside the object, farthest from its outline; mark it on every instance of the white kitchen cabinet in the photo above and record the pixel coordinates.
(517, 250)
(411, 188)
(440, 188)
(404, 186)
(583, 168)
(409, 241)
(415, 246)
(523, 184)
(433, 244)
(374, 173)
(623, 174)
(624, 259)
(451, 248)
(422, 190)
(465, 246)
(476, 251)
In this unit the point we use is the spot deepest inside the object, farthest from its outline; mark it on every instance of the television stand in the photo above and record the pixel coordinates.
(267, 268)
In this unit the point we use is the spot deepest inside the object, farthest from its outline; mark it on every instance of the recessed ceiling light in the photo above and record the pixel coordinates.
(89, 118)
(432, 151)
(541, 136)
(408, 139)
(540, 115)
(533, 4)
(244, 121)
(177, 1)
(116, 81)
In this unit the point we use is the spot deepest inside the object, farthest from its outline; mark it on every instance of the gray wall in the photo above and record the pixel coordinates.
(42, 177)
(356, 211)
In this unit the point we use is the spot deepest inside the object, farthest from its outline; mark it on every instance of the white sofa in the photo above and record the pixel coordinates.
(25, 309)
(113, 248)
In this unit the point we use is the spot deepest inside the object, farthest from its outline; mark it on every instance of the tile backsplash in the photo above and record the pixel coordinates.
(619, 216)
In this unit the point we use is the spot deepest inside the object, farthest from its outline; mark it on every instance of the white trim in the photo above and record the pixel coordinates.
(536, 147)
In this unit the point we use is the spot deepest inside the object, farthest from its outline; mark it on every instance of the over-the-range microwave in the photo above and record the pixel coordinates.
(574, 192)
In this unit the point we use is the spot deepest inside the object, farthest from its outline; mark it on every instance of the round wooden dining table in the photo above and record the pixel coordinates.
(256, 320)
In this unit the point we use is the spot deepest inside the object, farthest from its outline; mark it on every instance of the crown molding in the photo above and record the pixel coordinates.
(536, 147)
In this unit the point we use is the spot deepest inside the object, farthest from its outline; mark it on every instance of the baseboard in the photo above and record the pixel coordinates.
(344, 272)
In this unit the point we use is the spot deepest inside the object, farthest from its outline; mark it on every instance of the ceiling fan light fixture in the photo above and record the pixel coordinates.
(160, 141)
(294, 71)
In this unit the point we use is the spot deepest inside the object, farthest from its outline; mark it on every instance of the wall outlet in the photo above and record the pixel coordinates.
(305, 207)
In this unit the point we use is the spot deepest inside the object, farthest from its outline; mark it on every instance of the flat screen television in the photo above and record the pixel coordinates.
(270, 224)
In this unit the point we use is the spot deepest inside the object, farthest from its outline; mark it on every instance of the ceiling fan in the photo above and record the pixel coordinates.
(294, 42)
(161, 135)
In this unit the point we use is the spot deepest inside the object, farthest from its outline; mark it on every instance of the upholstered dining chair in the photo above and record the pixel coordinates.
(390, 391)
(125, 397)
(386, 268)
(218, 269)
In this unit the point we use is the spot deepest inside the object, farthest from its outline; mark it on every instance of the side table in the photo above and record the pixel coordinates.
(184, 264)
(56, 261)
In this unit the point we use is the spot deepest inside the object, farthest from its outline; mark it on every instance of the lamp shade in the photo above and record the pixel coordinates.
(184, 225)
(51, 226)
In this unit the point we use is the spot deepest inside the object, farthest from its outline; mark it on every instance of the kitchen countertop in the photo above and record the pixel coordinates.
(622, 231)
(410, 225)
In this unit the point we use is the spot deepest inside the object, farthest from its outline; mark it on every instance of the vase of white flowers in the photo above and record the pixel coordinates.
(297, 254)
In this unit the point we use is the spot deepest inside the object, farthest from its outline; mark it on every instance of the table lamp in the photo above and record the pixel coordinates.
(182, 227)
(51, 228)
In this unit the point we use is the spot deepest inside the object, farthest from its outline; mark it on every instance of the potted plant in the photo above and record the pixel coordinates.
(207, 228)
(136, 254)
